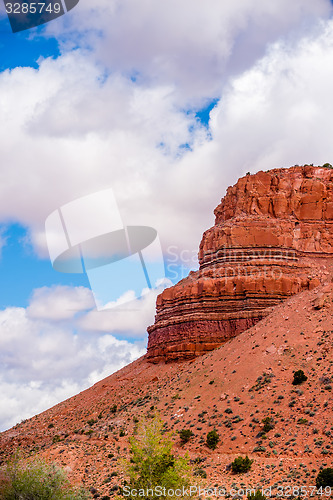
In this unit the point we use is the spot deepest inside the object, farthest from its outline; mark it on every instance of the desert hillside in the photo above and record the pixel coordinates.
(232, 389)
(223, 351)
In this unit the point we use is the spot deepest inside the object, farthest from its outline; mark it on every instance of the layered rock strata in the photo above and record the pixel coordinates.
(272, 238)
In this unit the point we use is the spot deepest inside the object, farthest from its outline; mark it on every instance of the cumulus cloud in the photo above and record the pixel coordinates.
(59, 302)
(190, 44)
(279, 111)
(74, 141)
(84, 125)
(127, 317)
(43, 361)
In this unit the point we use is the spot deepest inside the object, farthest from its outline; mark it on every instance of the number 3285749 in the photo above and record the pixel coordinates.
(32, 8)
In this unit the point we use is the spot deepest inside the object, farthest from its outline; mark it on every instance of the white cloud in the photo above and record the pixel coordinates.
(279, 112)
(127, 317)
(81, 129)
(59, 302)
(189, 43)
(43, 362)
(73, 147)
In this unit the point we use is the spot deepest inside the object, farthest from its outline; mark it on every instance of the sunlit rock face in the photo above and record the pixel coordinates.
(272, 238)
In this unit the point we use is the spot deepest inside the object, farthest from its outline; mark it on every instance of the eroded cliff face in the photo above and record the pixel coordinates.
(272, 238)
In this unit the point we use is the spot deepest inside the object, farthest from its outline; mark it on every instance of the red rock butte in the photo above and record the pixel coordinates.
(272, 238)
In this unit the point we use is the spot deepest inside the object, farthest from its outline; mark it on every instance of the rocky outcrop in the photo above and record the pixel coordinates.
(272, 238)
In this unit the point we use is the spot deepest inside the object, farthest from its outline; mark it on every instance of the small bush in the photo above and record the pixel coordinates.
(258, 495)
(212, 439)
(259, 448)
(113, 409)
(268, 424)
(302, 421)
(200, 473)
(299, 377)
(325, 478)
(91, 422)
(185, 435)
(37, 480)
(241, 465)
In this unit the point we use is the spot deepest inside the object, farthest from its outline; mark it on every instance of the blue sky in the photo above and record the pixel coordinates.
(21, 268)
(220, 89)
(23, 271)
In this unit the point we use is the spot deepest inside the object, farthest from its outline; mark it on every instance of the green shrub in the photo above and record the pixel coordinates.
(241, 465)
(37, 480)
(325, 478)
(185, 435)
(258, 495)
(200, 473)
(268, 424)
(152, 462)
(302, 421)
(299, 377)
(212, 439)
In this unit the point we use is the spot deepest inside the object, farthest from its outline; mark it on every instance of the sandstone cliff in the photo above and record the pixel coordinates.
(272, 238)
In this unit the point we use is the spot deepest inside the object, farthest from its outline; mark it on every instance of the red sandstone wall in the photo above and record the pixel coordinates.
(272, 238)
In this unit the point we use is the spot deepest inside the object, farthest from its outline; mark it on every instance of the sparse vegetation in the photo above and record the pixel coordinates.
(152, 461)
(258, 495)
(37, 480)
(200, 472)
(325, 478)
(212, 439)
(91, 422)
(241, 465)
(262, 380)
(268, 424)
(299, 377)
(185, 435)
(302, 421)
